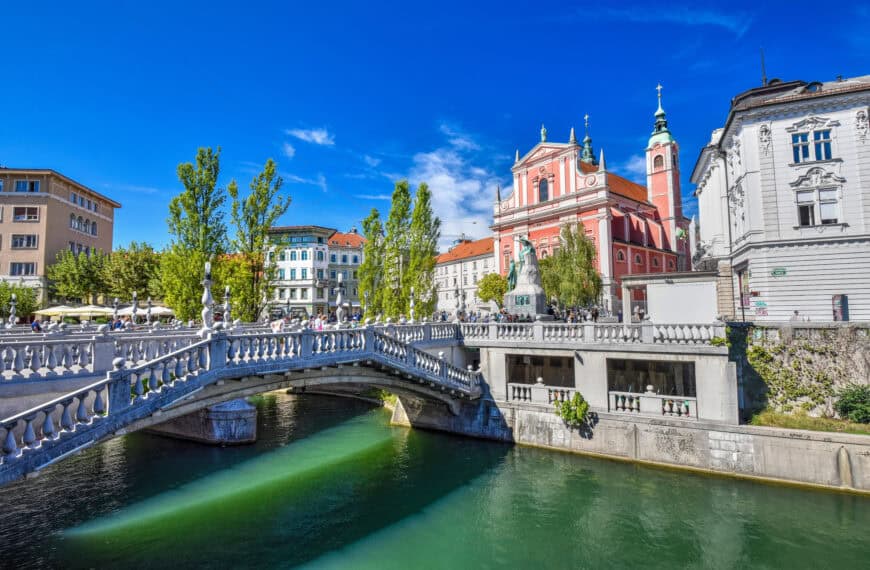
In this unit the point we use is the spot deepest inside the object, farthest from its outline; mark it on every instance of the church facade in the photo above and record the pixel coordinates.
(635, 229)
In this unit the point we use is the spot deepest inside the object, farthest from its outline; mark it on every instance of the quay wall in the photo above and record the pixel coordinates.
(828, 460)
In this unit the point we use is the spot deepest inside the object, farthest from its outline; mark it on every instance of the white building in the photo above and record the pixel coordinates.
(301, 285)
(784, 202)
(457, 272)
(345, 257)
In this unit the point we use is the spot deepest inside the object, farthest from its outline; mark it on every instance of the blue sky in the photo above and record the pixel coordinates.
(349, 97)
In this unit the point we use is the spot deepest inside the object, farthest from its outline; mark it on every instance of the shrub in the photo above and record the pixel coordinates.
(573, 411)
(854, 403)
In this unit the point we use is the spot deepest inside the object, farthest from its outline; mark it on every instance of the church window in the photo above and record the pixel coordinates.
(670, 264)
(655, 261)
(620, 256)
(637, 259)
(822, 143)
(658, 162)
(543, 191)
(800, 147)
(543, 254)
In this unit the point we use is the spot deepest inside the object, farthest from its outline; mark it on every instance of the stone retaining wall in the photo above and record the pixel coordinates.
(837, 461)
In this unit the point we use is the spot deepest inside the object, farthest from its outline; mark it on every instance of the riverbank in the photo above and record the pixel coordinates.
(829, 461)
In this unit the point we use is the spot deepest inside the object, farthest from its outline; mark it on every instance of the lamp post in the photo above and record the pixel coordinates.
(135, 308)
(148, 311)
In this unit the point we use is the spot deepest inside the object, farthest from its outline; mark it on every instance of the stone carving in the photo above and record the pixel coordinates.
(811, 123)
(207, 300)
(861, 125)
(339, 309)
(734, 159)
(816, 177)
(764, 139)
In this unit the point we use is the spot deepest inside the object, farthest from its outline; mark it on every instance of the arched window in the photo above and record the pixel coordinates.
(658, 162)
(543, 254)
(637, 258)
(655, 261)
(620, 256)
(543, 191)
(93, 228)
(80, 223)
(87, 227)
(72, 221)
(671, 264)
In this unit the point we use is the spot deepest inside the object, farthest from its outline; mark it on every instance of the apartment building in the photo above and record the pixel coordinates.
(457, 272)
(43, 212)
(300, 255)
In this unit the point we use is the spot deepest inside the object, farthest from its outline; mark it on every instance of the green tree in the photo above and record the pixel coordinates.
(78, 276)
(396, 246)
(26, 300)
(252, 217)
(570, 274)
(492, 287)
(199, 234)
(425, 229)
(134, 268)
(371, 270)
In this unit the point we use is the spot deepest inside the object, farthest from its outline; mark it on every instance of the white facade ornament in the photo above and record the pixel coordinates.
(861, 125)
(816, 177)
(812, 123)
(764, 139)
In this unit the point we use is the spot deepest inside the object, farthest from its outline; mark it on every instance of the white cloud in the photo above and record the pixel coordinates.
(288, 150)
(314, 136)
(320, 181)
(462, 194)
(734, 21)
(374, 197)
(634, 168)
(371, 160)
(458, 139)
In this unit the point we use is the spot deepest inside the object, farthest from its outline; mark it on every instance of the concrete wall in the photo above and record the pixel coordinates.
(671, 303)
(839, 461)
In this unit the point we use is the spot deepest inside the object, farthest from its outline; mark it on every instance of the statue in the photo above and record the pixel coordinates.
(512, 276)
(528, 261)
(339, 309)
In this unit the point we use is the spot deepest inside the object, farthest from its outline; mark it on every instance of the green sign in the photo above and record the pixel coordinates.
(779, 272)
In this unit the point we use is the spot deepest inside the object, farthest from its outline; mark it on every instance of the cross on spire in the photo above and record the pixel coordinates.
(586, 122)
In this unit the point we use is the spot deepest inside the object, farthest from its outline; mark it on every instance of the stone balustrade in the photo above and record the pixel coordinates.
(538, 393)
(652, 404)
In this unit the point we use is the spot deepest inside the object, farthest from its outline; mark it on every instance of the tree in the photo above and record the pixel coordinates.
(424, 232)
(134, 268)
(196, 223)
(26, 300)
(252, 217)
(371, 270)
(570, 274)
(396, 245)
(78, 276)
(492, 287)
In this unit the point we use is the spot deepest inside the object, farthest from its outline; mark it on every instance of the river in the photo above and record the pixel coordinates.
(330, 484)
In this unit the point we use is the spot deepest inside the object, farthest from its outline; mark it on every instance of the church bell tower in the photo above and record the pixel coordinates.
(663, 176)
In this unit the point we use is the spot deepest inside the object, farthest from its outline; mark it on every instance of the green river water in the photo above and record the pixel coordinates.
(330, 485)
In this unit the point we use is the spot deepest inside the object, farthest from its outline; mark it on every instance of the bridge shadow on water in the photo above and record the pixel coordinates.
(324, 473)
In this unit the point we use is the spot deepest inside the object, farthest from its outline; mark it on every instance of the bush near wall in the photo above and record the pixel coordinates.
(804, 369)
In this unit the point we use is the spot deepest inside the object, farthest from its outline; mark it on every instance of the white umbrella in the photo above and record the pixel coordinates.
(156, 311)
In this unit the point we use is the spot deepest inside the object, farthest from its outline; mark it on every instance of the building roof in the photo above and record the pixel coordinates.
(618, 184)
(776, 91)
(7, 170)
(313, 229)
(467, 249)
(349, 239)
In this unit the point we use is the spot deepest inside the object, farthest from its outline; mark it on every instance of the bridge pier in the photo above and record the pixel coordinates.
(228, 423)
(480, 418)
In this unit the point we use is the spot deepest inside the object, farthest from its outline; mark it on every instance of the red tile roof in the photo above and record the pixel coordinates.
(467, 249)
(618, 184)
(349, 239)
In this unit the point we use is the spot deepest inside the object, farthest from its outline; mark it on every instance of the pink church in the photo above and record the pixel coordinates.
(636, 229)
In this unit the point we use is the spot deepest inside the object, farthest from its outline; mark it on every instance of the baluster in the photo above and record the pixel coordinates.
(99, 403)
(138, 387)
(51, 358)
(179, 367)
(165, 376)
(191, 362)
(203, 358)
(152, 379)
(66, 421)
(82, 412)
(29, 436)
(134, 352)
(10, 447)
(18, 364)
(35, 361)
(48, 430)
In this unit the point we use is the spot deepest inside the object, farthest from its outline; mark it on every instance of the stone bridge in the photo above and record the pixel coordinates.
(198, 373)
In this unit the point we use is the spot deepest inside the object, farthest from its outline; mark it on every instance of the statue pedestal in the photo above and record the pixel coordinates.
(527, 300)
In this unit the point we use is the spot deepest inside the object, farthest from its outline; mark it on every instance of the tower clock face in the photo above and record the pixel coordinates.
(591, 180)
